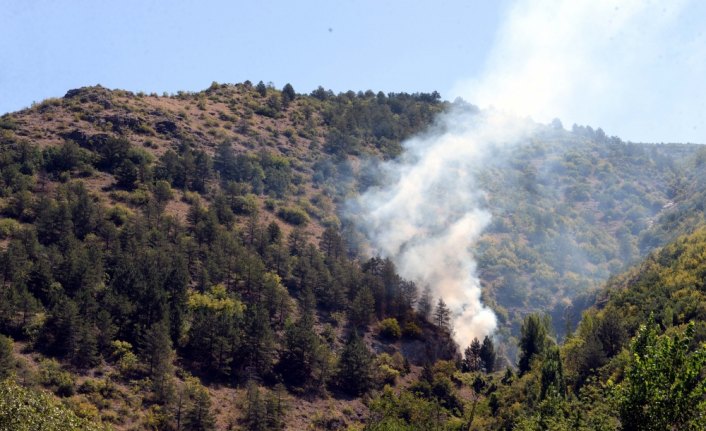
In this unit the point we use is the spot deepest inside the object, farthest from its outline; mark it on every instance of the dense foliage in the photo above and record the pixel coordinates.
(178, 263)
(569, 210)
(627, 366)
(23, 409)
(230, 295)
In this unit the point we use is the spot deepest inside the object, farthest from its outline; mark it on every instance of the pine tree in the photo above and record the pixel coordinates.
(275, 299)
(611, 332)
(354, 367)
(255, 409)
(442, 316)
(533, 340)
(159, 355)
(261, 89)
(276, 407)
(302, 347)
(162, 193)
(199, 416)
(472, 356)
(83, 210)
(408, 296)
(331, 244)
(225, 163)
(127, 175)
(86, 354)
(552, 379)
(487, 355)
(274, 233)
(203, 170)
(288, 94)
(59, 335)
(361, 311)
(258, 346)
(425, 304)
(296, 241)
(215, 322)
(7, 360)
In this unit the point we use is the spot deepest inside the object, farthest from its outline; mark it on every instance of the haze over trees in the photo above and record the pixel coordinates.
(181, 263)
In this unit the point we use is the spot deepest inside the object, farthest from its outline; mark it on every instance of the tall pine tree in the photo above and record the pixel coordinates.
(487, 355)
(442, 316)
(159, 355)
(355, 366)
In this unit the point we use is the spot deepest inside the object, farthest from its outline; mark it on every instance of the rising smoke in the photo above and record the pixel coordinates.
(551, 58)
(428, 214)
(632, 67)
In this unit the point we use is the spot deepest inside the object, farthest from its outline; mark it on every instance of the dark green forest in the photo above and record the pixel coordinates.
(180, 262)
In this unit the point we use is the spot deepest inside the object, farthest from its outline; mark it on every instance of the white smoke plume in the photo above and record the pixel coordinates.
(633, 67)
(550, 58)
(428, 214)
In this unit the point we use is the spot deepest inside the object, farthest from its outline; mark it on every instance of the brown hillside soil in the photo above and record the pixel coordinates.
(155, 124)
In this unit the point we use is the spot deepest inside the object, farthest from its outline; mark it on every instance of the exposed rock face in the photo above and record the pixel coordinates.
(95, 94)
(166, 126)
(78, 136)
(84, 140)
(73, 93)
(122, 122)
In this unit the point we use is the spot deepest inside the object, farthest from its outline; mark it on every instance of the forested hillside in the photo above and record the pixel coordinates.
(635, 362)
(181, 262)
(570, 209)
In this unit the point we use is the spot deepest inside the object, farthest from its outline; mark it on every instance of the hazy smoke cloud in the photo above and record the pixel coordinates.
(632, 67)
(428, 214)
(569, 59)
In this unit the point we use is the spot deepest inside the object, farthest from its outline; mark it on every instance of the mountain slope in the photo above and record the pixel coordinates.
(185, 253)
(569, 209)
(636, 361)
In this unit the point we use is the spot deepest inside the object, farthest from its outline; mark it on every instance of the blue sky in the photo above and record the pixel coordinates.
(48, 47)
(633, 67)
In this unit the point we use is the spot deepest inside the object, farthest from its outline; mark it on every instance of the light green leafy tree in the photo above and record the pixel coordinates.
(23, 409)
(664, 386)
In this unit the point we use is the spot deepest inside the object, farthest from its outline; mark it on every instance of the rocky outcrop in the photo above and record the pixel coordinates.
(95, 94)
(166, 127)
(122, 122)
(86, 141)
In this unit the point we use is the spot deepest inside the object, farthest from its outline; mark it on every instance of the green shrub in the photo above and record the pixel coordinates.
(112, 417)
(162, 191)
(190, 198)
(145, 129)
(51, 375)
(90, 386)
(124, 358)
(395, 362)
(24, 409)
(83, 408)
(387, 375)
(7, 227)
(244, 205)
(119, 215)
(293, 216)
(390, 329)
(119, 195)
(139, 197)
(270, 205)
(411, 330)
(7, 360)
(7, 123)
